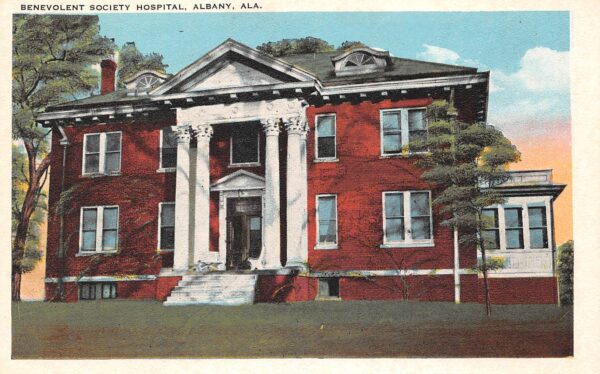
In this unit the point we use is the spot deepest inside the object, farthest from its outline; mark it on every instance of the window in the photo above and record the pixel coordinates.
(244, 145)
(399, 127)
(99, 229)
(168, 148)
(166, 234)
(102, 153)
(325, 134)
(97, 290)
(359, 59)
(407, 218)
(329, 288)
(491, 233)
(513, 219)
(326, 221)
(538, 232)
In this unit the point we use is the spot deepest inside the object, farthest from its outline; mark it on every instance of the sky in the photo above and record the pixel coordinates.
(527, 54)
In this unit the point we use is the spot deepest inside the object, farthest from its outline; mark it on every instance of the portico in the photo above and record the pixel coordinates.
(278, 117)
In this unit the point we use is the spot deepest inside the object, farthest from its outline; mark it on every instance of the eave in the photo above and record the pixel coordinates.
(553, 190)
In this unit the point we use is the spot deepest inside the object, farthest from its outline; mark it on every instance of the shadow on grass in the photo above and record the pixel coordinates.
(125, 329)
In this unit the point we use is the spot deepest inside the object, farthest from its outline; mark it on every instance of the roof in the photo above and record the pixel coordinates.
(307, 66)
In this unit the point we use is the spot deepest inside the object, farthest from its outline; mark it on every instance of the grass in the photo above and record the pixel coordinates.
(124, 329)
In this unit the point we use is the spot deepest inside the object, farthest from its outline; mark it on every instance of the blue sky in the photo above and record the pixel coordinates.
(527, 52)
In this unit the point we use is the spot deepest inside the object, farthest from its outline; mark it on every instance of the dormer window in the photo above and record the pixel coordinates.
(361, 61)
(143, 82)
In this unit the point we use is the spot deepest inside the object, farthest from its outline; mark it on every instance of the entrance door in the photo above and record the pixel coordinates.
(244, 231)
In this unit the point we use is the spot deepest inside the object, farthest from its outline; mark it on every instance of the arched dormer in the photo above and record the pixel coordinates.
(143, 82)
(362, 60)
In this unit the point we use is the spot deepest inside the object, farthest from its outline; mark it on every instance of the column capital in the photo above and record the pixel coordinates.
(271, 126)
(202, 131)
(182, 132)
(296, 125)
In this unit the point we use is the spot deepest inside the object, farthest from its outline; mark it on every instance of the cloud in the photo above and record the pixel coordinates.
(542, 70)
(536, 92)
(438, 54)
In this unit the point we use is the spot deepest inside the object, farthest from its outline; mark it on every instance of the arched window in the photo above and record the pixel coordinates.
(146, 82)
(359, 59)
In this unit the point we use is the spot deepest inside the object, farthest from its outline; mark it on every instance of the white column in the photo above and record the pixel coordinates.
(271, 250)
(304, 194)
(296, 192)
(203, 133)
(182, 200)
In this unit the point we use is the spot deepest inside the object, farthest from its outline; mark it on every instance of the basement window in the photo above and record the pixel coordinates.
(329, 288)
(97, 290)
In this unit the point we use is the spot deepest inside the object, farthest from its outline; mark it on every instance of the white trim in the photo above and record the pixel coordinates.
(387, 273)
(326, 159)
(160, 205)
(404, 129)
(99, 230)
(406, 84)
(245, 164)
(103, 278)
(408, 241)
(326, 245)
(101, 153)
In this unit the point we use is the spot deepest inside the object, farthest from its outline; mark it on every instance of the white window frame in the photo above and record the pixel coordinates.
(327, 245)
(160, 205)
(242, 164)
(160, 162)
(404, 129)
(99, 229)
(102, 153)
(408, 240)
(326, 159)
(524, 205)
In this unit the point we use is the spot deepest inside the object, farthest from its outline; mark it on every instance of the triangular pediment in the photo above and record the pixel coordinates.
(240, 180)
(232, 64)
(232, 74)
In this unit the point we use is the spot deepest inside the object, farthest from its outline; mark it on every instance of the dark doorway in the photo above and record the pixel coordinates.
(244, 231)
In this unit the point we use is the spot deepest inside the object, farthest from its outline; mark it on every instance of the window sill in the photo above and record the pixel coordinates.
(244, 165)
(326, 246)
(159, 251)
(321, 160)
(166, 170)
(98, 175)
(90, 253)
(403, 155)
(328, 298)
(407, 245)
(517, 250)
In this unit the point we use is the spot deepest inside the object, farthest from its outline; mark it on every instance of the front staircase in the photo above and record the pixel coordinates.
(215, 289)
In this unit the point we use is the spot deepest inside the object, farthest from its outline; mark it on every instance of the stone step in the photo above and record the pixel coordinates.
(216, 289)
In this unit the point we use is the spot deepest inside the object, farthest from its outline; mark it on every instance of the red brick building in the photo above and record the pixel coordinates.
(245, 178)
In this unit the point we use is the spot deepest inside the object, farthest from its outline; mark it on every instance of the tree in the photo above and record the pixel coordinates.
(465, 161)
(565, 272)
(286, 47)
(132, 61)
(348, 45)
(52, 59)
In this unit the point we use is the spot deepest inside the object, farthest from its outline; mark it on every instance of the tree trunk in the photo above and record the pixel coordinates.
(30, 200)
(488, 308)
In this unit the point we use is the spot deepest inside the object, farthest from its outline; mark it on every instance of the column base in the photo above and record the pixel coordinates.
(296, 264)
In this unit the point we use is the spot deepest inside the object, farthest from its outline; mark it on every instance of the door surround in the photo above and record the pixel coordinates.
(237, 185)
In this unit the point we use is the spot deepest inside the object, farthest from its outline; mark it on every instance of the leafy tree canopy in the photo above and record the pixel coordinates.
(132, 61)
(565, 271)
(309, 44)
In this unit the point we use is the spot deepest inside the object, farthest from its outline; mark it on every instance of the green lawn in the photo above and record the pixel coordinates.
(123, 329)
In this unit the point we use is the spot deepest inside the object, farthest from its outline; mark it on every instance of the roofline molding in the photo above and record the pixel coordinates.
(231, 45)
